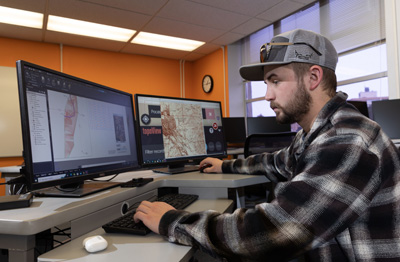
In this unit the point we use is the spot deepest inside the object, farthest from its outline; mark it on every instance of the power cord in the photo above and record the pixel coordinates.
(18, 185)
(106, 180)
(18, 180)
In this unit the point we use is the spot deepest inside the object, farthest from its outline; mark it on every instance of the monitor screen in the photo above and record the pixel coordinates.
(385, 113)
(262, 125)
(235, 129)
(362, 106)
(73, 129)
(175, 131)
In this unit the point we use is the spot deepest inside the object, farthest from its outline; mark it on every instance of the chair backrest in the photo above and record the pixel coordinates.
(267, 142)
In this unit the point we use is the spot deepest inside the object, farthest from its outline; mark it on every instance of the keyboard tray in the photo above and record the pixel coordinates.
(126, 224)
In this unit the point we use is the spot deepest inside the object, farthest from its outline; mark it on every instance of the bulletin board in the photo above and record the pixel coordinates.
(10, 120)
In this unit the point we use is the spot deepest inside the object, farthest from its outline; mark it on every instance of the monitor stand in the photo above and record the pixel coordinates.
(176, 169)
(76, 190)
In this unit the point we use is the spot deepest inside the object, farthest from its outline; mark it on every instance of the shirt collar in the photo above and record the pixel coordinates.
(326, 112)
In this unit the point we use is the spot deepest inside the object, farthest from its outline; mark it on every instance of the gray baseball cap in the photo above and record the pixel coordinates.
(294, 46)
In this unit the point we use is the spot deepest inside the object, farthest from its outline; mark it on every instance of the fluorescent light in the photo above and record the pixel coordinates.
(78, 27)
(163, 41)
(20, 17)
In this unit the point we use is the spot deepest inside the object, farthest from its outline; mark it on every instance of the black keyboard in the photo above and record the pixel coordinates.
(126, 224)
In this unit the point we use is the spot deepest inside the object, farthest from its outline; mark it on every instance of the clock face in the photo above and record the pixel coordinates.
(207, 83)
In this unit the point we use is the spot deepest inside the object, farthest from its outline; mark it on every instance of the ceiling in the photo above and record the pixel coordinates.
(216, 22)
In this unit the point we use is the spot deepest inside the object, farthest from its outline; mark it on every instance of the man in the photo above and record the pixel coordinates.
(338, 193)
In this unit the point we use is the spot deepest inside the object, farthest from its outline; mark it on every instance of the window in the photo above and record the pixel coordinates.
(356, 28)
(363, 74)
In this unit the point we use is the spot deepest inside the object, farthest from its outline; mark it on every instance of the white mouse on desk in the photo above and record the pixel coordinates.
(95, 243)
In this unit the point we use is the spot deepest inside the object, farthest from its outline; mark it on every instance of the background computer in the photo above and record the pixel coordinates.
(73, 130)
(235, 130)
(175, 131)
(386, 114)
(259, 125)
(362, 106)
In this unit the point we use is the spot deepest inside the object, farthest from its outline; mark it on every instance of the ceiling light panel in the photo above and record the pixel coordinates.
(163, 41)
(78, 27)
(20, 17)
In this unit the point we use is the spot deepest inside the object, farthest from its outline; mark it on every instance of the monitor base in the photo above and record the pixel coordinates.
(176, 170)
(87, 188)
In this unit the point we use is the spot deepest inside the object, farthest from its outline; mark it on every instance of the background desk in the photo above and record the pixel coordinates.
(123, 247)
(235, 152)
(18, 227)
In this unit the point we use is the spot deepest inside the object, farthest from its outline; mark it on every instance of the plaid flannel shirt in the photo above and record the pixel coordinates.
(337, 198)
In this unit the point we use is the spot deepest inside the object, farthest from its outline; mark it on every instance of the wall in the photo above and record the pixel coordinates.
(214, 65)
(127, 72)
(10, 120)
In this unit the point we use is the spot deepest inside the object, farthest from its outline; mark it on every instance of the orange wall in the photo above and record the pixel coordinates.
(11, 50)
(129, 73)
(126, 72)
(213, 65)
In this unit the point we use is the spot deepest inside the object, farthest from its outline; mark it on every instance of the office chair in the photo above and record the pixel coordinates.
(267, 142)
(260, 143)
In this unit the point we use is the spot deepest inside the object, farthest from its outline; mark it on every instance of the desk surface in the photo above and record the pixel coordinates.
(46, 212)
(18, 227)
(122, 247)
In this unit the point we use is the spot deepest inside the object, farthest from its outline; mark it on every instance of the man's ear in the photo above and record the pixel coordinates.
(316, 74)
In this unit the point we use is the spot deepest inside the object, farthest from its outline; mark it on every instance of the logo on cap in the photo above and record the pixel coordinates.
(301, 56)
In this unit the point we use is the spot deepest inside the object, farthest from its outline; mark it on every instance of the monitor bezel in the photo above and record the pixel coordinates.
(384, 112)
(26, 139)
(192, 160)
(257, 125)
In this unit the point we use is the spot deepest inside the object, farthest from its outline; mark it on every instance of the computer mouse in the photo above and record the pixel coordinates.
(201, 169)
(94, 244)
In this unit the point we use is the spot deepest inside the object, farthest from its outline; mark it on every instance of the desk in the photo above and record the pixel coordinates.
(235, 152)
(18, 227)
(123, 247)
(396, 142)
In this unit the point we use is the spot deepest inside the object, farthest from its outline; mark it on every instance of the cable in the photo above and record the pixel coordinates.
(17, 180)
(17, 185)
(106, 180)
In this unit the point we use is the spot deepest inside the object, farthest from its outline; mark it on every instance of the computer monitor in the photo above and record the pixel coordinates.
(362, 106)
(235, 130)
(386, 114)
(261, 125)
(73, 130)
(176, 131)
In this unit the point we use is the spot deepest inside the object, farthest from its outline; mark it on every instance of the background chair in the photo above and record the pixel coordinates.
(267, 142)
(260, 143)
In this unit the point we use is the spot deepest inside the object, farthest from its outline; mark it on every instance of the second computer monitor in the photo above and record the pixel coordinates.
(386, 114)
(260, 125)
(175, 131)
(235, 129)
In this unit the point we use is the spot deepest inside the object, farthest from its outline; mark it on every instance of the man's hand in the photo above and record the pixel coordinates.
(150, 213)
(214, 165)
